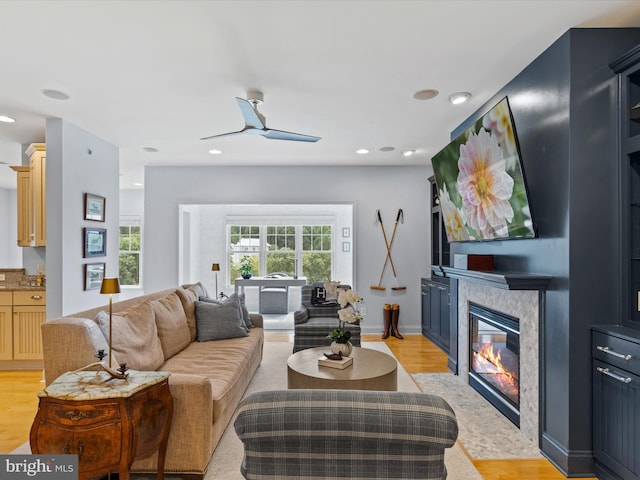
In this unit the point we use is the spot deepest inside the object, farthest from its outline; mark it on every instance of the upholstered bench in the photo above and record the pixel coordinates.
(313, 323)
(322, 434)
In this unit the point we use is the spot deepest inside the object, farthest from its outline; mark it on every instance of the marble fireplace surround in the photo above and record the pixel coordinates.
(524, 305)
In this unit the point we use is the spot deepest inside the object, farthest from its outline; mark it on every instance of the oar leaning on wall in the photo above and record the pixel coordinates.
(389, 245)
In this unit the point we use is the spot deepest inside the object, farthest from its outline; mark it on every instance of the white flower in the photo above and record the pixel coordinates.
(485, 186)
(348, 315)
(452, 218)
(348, 296)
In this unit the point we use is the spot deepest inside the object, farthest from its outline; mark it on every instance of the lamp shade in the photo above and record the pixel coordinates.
(110, 285)
(215, 267)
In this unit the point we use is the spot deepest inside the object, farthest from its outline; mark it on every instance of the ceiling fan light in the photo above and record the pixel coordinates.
(459, 97)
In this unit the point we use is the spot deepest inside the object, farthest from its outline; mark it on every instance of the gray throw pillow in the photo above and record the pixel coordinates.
(240, 301)
(217, 321)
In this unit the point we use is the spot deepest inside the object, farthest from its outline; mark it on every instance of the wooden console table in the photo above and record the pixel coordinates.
(107, 422)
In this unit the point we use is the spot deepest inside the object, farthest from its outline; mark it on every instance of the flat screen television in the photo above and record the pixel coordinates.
(480, 181)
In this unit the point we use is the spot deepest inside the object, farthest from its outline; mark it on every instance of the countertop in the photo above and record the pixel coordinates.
(9, 287)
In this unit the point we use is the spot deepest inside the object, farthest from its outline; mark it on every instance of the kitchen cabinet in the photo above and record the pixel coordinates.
(436, 312)
(21, 314)
(6, 327)
(31, 198)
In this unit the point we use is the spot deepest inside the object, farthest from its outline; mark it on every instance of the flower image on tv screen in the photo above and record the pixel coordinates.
(481, 185)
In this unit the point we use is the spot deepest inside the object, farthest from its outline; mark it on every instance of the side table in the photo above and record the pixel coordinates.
(107, 422)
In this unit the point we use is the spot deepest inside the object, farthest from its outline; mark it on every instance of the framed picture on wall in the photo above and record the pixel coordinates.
(94, 206)
(95, 242)
(93, 275)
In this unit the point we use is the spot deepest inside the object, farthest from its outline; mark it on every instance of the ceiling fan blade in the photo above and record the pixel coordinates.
(296, 137)
(251, 118)
(224, 134)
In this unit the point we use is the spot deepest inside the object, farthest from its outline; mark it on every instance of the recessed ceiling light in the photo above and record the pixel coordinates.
(408, 153)
(55, 94)
(459, 97)
(150, 149)
(5, 119)
(387, 149)
(362, 151)
(426, 94)
(215, 151)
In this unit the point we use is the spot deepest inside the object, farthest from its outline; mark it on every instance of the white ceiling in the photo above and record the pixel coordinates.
(163, 74)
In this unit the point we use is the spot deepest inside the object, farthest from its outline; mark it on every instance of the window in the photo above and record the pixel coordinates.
(130, 241)
(244, 241)
(303, 250)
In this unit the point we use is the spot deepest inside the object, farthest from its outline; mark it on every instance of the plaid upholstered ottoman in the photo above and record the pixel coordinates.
(323, 434)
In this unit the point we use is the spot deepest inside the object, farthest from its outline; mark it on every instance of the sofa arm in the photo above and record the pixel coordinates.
(377, 434)
(257, 320)
(190, 438)
(69, 344)
(301, 315)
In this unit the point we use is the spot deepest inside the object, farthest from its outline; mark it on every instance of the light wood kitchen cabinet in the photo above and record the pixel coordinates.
(29, 312)
(6, 326)
(31, 200)
(21, 314)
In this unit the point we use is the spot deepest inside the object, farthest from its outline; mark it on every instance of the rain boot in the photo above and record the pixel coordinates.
(387, 321)
(395, 310)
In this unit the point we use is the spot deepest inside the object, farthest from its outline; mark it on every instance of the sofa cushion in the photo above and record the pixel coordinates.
(239, 299)
(171, 322)
(188, 299)
(216, 321)
(135, 336)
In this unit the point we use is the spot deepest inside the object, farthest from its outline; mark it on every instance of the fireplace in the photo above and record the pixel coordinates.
(494, 359)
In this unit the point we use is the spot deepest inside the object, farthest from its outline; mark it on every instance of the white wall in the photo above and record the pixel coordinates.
(10, 253)
(77, 163)
(367, 188)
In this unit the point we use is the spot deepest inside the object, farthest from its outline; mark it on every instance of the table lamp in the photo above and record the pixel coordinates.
(216, 268)
(110, 286)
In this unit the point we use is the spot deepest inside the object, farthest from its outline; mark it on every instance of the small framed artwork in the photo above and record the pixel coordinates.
(93, 275)
(94, 206)
(95, 242)
(346, 232)
(346, 246)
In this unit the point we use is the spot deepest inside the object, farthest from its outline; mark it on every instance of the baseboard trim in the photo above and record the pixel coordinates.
(572, 463)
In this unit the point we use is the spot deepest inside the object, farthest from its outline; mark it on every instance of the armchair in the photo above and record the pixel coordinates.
(312, 323)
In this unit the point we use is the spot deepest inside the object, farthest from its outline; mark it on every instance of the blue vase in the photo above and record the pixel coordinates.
(246, 276)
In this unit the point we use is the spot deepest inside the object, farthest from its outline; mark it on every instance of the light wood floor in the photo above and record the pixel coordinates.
(18, 405)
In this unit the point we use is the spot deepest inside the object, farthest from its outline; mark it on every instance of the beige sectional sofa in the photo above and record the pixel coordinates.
(158, 332)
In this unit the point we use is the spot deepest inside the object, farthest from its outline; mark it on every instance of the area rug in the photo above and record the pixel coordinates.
(483, 431)
(272, 375)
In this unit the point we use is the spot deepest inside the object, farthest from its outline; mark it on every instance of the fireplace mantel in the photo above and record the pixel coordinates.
(504, 280)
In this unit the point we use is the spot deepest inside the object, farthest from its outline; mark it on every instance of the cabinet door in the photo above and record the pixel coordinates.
(38, 188)
(616, 419)
(443, 316)
(6, 335)
(434, 310)
(24, 205)
(424, 293)
(27, 338)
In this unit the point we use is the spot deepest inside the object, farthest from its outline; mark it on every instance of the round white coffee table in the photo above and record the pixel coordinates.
(371, 370)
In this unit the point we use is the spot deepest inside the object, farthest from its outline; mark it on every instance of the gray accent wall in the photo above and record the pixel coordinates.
(564, 106)
(367, 188)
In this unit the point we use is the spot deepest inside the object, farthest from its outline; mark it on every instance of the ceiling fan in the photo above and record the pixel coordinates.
(255, 123)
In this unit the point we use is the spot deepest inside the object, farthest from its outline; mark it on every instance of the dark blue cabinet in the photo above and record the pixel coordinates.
(616, 403)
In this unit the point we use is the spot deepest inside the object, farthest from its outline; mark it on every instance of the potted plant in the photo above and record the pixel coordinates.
(245, 267)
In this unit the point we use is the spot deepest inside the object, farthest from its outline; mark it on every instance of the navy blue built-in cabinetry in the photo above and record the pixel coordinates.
(615, 350)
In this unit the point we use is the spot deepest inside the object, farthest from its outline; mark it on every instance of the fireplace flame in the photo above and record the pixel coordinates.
(486, 361)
